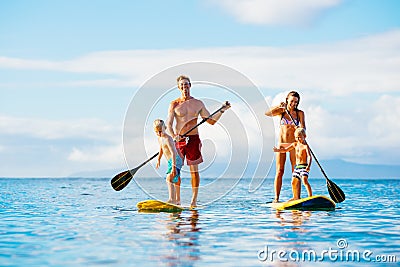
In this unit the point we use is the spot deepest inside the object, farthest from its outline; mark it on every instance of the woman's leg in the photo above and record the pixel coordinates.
(280, 169)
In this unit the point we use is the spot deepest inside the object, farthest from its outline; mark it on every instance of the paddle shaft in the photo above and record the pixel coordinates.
(186, 133)
(121, 180)
(205, 119)
(335, 192)
(312, 153)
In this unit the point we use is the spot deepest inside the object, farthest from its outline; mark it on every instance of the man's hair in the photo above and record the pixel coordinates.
(182, 77)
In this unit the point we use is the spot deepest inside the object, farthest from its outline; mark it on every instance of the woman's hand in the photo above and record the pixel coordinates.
(283, 106)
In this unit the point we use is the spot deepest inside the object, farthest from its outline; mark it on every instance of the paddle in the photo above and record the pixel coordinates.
(121, 180)
(335, 192)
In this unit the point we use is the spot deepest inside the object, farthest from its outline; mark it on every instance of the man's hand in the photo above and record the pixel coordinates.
(225, 106)
(177, 138)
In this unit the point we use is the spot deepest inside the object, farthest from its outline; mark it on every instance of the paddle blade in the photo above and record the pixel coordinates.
(121, 180)
(335, 192)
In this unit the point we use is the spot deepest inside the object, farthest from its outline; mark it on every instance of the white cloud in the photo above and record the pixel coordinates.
(18, 63)
(272, 12)
(325, 74)
(360, 128)
(109, 155)
(99, 83)
(367, 64)
(364, 134)
(384, 124)
(55, 129)
(59, 147)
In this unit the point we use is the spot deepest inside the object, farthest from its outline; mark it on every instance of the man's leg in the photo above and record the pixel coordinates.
(178, 193)
(194, 172)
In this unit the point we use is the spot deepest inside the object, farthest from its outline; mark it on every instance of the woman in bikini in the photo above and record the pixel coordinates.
(286, 134)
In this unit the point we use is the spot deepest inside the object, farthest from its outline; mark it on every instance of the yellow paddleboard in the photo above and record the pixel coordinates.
(158, 206)
(308, 203)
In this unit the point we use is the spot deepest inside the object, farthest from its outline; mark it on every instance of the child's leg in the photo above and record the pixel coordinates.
(171, 189)
(307, 185)
(177, 180)
(173, 193)
(296, 188)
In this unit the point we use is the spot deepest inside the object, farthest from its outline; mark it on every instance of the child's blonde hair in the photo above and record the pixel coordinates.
(301, 131)
(158, 124)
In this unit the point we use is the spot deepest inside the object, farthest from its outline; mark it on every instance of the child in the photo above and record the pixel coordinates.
(167, 148)
(303, 162)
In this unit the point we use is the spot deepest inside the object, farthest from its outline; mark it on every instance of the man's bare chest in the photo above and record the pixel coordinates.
(186, 110)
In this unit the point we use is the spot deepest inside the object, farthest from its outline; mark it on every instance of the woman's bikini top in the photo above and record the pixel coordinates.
(285, 121)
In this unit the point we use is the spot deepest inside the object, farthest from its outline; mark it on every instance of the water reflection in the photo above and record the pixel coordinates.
(290, 236)
(183, 234)
(294, 218)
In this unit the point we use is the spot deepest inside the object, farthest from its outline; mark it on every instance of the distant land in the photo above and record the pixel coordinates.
(333, 168)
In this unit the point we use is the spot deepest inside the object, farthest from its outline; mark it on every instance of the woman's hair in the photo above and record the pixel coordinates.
(295, 94)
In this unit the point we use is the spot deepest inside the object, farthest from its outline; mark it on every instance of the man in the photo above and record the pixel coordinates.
(185, 110)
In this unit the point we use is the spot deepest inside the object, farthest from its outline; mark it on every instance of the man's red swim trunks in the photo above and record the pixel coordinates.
(191, 150)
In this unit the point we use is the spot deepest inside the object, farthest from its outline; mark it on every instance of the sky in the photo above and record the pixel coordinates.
(70, 71)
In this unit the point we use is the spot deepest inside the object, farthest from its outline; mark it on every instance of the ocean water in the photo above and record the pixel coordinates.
(84, 222)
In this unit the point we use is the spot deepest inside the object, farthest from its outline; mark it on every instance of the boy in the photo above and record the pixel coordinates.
(167, 148)
(303, 162)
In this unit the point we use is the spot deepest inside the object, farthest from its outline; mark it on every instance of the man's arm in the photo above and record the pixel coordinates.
(170, 119)
(204, 113)
(171, 148)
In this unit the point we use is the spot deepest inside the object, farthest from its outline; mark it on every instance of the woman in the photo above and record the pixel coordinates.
(286, 134)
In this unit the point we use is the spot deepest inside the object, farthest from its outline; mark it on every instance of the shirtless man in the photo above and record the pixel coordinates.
(185, 110)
